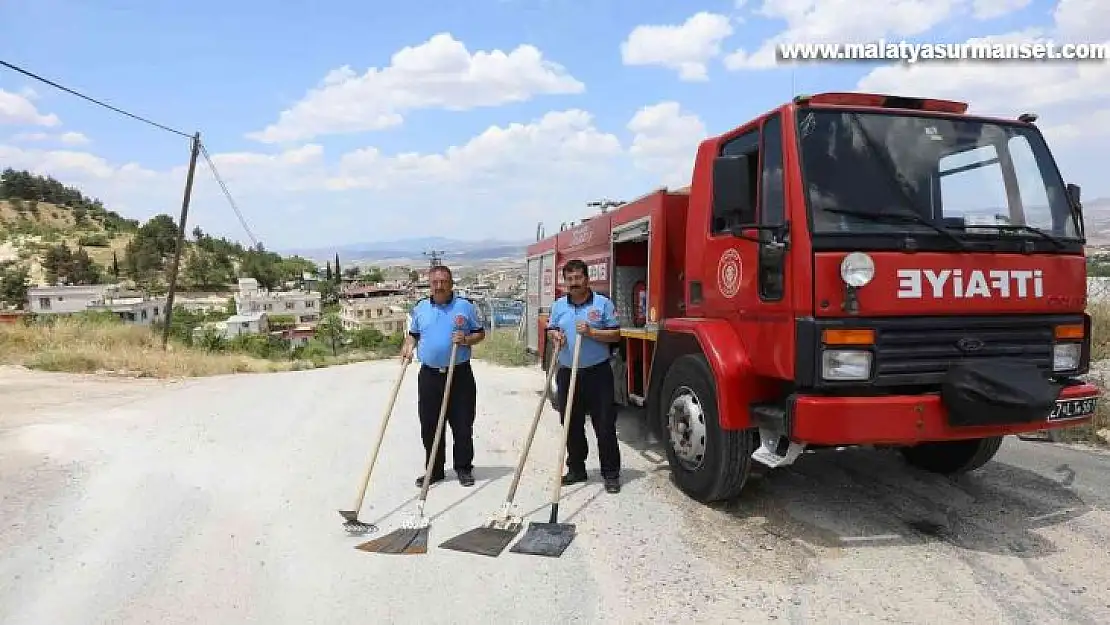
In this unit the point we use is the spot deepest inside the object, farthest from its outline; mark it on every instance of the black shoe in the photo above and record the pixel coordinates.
(612, 485)
(573, 477)
(436, 477)
(466, 478)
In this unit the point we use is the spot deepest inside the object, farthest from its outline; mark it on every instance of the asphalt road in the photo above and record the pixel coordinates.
(214, 501)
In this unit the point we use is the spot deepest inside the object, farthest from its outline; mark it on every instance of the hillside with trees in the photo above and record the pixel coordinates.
(52, 233)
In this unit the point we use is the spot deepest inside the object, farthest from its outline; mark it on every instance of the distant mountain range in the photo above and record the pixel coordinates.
(450, 250)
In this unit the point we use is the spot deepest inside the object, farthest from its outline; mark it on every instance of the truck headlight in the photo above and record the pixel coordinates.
(845, 365)
(857, 269)
(1065, 356)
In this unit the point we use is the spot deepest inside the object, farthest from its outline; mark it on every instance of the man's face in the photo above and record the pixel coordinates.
(441, 283)
(576, 282)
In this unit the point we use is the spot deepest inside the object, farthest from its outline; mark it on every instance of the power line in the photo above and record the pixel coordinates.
(227, 193)
(93, 100)
(203, 150)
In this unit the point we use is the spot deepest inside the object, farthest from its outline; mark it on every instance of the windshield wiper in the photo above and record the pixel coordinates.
(1056, 241)
(900, 216)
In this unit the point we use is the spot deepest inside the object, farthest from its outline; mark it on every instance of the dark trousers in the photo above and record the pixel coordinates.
(593, 394)
(461, 407)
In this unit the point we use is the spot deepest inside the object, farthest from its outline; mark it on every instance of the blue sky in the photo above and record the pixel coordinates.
(229, 70)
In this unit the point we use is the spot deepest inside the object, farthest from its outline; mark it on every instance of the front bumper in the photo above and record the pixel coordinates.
(910, 419)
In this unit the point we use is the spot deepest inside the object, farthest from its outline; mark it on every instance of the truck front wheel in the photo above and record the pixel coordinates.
(952, 457)
(708, 463)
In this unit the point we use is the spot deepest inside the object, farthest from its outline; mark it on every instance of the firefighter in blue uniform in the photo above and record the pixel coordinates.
(590, 316)
(437, 322)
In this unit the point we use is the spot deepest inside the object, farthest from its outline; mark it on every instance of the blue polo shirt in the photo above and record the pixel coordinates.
(433, 324)
(599, 312)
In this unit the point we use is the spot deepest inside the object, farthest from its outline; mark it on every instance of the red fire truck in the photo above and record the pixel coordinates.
(846, 269)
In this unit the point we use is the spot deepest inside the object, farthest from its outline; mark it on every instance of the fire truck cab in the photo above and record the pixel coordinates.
(846, 269)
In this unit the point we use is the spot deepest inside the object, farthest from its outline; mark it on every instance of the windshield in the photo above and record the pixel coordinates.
(868, 172)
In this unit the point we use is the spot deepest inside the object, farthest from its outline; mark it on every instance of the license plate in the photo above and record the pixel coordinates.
(1068, 409)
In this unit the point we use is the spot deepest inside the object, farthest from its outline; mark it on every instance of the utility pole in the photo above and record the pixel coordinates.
(180, 238)
(434, 257)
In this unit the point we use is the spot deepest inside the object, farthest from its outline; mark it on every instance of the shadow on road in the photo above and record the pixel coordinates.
(483, 477)
(864, 497)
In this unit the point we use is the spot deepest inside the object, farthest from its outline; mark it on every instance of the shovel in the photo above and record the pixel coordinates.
(553, 538)
(353, 525)
(492, 538)
(412, 537)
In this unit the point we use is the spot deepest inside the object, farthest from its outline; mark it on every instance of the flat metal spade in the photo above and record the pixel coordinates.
(552, 538)
(492, 538)
(353, 525)
(412, 537)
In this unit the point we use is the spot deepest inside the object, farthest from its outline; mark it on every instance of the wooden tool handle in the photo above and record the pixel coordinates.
(557, 481)
(439, 426)
(551, 368)
(381, 436)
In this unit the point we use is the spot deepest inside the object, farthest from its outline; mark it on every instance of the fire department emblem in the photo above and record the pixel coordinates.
(460, 321)
(594, 315)
(730, 270)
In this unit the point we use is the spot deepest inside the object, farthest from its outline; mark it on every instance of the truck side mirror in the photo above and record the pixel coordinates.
(1074, 195)
(732, 186)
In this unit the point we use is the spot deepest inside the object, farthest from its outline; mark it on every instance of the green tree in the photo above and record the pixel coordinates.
(15, 282)
(331, 331)
(374, 275)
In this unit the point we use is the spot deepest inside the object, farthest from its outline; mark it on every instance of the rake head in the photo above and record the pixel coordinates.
(355, 526)
(505, 520)
(416, 522)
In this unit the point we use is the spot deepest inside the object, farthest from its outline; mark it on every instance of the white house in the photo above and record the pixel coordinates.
(44, 300)
(304, 306)
(131, 307)
(252, 323)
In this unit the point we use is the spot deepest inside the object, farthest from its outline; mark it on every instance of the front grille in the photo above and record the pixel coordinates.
(919, 351)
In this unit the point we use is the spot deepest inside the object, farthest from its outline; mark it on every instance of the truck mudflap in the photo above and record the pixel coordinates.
(909, 419)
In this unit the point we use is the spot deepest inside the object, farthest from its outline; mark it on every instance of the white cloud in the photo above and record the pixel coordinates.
(847, 21)
(18, 109)
(1057, 90)
(559, 143)
(73, 138)
(440, 73)
(686, 47)
(665, 140)
(68, 138)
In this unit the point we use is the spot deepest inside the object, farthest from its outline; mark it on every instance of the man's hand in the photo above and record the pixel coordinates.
(583, 328)
(458, 337)
(556, 337)
(406, 352)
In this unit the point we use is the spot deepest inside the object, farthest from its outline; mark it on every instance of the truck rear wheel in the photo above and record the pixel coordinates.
(708, 463)
(952, 457)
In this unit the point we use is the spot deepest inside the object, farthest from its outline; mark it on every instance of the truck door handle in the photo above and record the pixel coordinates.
(695, 292)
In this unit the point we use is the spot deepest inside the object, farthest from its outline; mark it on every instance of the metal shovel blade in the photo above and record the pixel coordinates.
(400, 541)
(545, 539)
(484, 541)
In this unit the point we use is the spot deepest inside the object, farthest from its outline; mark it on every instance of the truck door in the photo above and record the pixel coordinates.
(745, 280)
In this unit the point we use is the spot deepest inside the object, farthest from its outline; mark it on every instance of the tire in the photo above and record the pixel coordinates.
(952, 457)
(726, 459)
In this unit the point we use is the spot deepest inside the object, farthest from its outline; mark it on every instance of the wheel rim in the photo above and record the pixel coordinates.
(686, 423)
